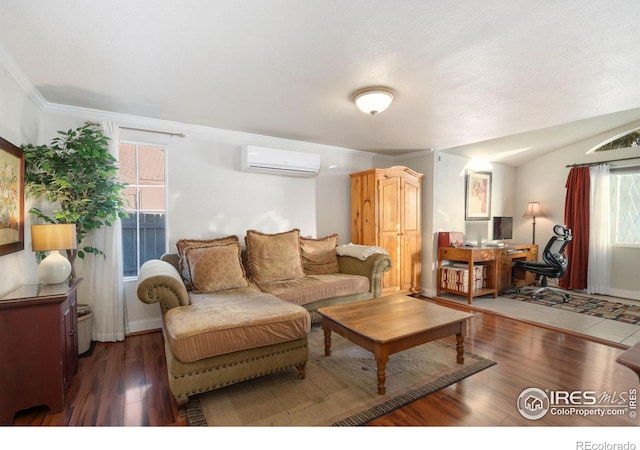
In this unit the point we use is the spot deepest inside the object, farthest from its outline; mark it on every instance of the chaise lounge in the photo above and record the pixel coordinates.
(231, 315)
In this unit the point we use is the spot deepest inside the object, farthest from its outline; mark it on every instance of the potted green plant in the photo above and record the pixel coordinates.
(78, 175)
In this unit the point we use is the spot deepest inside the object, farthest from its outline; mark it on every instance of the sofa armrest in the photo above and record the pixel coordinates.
(160, 282)
(373, 267)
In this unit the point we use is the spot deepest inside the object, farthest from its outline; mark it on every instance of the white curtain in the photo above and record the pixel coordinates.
(598, 274)
(104, 274)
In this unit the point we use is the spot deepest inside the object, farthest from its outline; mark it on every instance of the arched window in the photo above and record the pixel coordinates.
(628, 140)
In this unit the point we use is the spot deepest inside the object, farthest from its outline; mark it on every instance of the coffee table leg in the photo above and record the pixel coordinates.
(460, 348)
(381, 361)
(327, 340)
(381, 353)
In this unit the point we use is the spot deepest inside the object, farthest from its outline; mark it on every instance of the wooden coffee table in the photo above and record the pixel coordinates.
(388, 325)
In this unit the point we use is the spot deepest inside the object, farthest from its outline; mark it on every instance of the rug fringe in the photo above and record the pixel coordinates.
(194, 413)
(381, 409)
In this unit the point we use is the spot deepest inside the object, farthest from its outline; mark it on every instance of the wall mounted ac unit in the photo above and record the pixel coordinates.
(280, 162)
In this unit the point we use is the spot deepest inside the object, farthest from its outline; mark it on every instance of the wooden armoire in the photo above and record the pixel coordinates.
(386, 212)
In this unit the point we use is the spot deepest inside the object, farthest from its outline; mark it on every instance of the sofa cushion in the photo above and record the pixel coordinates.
(273, 257)
(319, 255)
(310, 288)
(216, 268)
(196, 299)
(183, 244)
(230, 323)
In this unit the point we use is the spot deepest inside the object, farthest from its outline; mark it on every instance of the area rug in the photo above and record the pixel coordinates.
(339, 390)
(607, 309)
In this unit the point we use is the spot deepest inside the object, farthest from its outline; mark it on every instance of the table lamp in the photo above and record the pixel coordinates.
(533, 210)
(51, 237)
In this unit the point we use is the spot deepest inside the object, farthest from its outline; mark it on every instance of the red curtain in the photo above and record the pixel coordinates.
(576, 217)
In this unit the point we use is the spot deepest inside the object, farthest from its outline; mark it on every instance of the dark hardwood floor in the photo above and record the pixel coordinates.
(124, 383)
(120, 384)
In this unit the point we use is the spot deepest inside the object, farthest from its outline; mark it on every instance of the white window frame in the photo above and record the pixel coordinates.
(165, 148)
(616, 205)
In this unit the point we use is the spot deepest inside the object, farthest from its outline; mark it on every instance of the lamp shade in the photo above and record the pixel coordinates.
(373, 100)
(533, 210)
(53, 236)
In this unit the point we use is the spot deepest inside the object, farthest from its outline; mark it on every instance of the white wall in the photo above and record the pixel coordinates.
(209, 197)
(20, 119)
(444, 202)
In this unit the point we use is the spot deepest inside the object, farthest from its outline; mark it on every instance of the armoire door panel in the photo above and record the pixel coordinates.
(411, 208)
(389, 206)
(391, 279)
(411, 257)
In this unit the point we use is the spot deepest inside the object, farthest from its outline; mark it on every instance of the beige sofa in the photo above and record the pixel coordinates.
(230, 315)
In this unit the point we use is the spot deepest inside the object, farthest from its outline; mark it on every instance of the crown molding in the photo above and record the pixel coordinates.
(19, 76)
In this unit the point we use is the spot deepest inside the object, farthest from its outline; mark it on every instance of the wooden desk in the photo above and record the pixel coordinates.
(500, 275)
(471, 256)
(38, 347)
(508, 276)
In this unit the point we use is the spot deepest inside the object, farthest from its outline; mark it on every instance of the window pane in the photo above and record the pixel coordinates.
(627, 208)
(151, 170)
(129, 196)
(152, 236)
(130, 245)
(151, 198)
(152, 240)
(629, 140)
(127, 163)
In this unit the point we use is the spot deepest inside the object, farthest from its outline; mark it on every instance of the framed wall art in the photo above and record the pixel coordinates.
(11, 198)
(478, 196)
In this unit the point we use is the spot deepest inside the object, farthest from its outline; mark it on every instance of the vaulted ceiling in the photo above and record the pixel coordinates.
(521, 77)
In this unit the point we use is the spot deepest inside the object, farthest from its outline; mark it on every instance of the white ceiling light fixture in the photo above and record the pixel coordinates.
(373, 100)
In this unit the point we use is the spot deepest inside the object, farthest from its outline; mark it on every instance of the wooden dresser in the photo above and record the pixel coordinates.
(386, 212)
(38, 347)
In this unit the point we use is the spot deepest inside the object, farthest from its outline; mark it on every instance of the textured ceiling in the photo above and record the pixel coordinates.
(464, 71)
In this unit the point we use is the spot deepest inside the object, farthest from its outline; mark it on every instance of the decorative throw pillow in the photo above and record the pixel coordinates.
(183, 244)
(319, 255)
(216, 268)
(273, 257)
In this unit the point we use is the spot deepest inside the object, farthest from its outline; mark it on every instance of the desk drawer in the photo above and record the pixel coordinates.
(467, 253)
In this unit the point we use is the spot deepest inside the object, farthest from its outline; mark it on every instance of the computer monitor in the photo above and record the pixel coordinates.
(502, 228)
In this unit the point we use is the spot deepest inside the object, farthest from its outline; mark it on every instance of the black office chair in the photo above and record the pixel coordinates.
(554, 263)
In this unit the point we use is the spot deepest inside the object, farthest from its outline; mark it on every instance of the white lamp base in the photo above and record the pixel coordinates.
(54, 269)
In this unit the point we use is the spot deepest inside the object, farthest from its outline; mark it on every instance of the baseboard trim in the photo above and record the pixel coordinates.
(144, 325)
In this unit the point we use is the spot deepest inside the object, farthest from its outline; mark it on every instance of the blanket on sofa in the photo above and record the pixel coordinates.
(361, 252)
